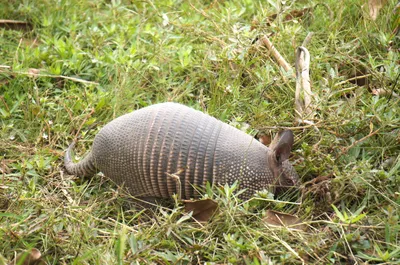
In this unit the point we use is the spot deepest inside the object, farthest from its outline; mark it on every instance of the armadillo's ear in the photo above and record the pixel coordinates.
(282, 145)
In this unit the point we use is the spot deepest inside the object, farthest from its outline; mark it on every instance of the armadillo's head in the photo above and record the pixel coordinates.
(284, 173)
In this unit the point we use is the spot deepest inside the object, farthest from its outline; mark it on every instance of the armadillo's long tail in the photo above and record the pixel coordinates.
(86, 167)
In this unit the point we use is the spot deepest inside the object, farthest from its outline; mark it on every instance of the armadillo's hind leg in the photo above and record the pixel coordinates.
(86, 167)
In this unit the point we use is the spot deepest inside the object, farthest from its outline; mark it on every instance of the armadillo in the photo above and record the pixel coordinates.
(144, 149)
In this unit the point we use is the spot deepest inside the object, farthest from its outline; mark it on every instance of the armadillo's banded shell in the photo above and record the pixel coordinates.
(139, 150)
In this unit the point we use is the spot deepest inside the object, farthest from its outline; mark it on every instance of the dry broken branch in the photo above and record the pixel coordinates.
(275, 53)
(15, 24)
(36, 73)
(371, 133)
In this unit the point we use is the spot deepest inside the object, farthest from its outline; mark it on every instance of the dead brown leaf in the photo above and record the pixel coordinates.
(202, 210)
(32, 257)
(374, 7)
(264, 138)
(15, 24)
(278, 219)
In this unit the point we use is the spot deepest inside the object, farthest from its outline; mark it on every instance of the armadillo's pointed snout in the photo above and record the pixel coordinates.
(290, 176)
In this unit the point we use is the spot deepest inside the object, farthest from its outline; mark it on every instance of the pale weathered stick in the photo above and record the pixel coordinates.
(352, 79)
(303, 89)
(36, 73)
(15, 24)
(275, 53)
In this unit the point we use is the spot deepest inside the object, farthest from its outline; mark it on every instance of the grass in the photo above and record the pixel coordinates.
(100, 59)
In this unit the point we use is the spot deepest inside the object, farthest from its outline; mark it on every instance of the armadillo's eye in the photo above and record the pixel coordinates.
(278, 159)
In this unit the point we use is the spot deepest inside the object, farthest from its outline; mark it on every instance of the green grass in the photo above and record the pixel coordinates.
(200, 53)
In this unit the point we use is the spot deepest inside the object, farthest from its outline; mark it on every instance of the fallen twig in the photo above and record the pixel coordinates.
(352, 79)
(15, 24)
(346, 149)
(35, 74)
(290, 128)
(275, 53)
